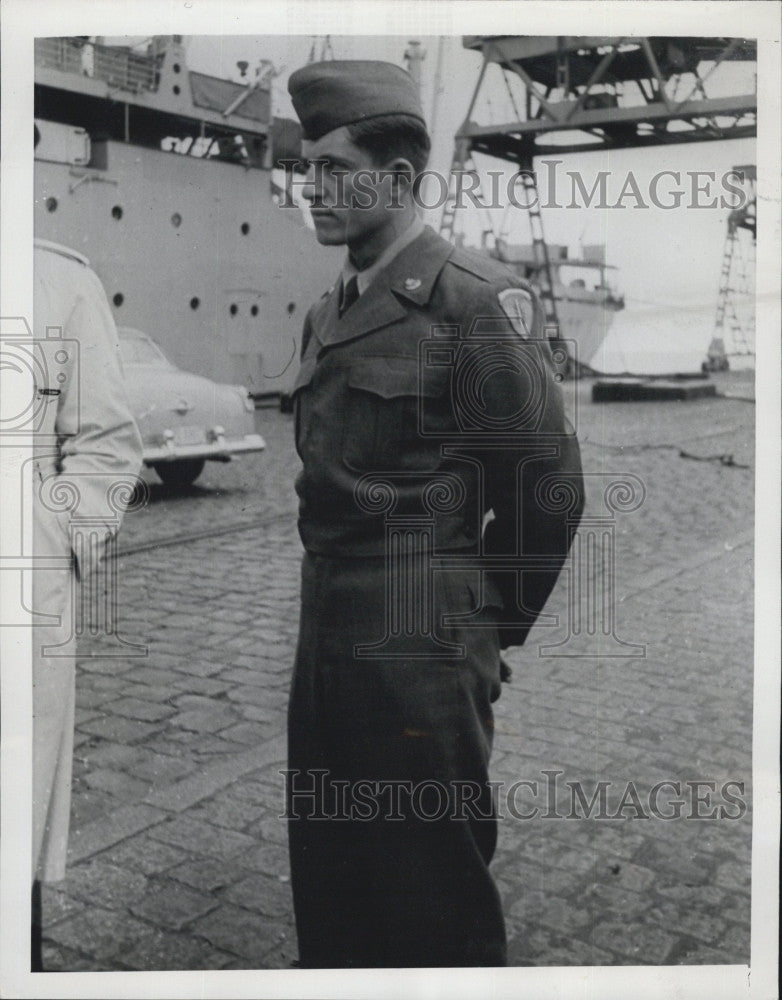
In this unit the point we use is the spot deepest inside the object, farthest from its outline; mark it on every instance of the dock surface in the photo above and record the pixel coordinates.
(178, 855)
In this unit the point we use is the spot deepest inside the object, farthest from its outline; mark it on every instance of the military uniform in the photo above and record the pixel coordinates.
(86, 442)
(417, 412)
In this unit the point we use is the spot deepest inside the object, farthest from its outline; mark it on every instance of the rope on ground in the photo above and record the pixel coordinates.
(731, 395)
(724, 458)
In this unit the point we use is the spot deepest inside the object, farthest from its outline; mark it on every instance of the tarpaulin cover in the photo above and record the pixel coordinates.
(286, 139)
(215, 94)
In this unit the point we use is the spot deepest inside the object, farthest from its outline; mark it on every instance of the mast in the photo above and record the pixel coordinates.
(414, 56)
(437, 88)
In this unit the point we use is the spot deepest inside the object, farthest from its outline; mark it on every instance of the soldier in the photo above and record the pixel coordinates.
(424, 409)
(87, 444)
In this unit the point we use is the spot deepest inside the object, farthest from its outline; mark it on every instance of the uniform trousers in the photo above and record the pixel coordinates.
(391, 820)
(54, 698)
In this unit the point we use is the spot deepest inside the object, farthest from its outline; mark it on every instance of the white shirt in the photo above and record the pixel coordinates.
(368, 275)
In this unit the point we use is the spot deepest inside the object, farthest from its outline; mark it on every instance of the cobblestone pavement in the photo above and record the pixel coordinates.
(178, 858)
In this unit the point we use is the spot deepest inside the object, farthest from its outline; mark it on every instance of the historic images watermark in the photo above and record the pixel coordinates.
(550, 187)
(317, 795)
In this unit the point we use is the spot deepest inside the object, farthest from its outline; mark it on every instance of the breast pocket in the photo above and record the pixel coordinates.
(383, 430)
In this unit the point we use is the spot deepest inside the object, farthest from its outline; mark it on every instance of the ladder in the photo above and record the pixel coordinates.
(723, 295)
(539, 245)
(736, 282)
(463, 166)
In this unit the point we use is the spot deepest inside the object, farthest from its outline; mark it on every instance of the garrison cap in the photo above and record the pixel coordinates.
(327, 95)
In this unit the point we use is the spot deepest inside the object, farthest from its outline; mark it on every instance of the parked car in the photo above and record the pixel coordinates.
(184, 419)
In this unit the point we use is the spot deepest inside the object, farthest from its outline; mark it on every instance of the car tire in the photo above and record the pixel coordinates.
(181, 473)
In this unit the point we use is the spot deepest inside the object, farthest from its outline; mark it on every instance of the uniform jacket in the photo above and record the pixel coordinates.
(425, 388)
(86, 435)
(86, 444)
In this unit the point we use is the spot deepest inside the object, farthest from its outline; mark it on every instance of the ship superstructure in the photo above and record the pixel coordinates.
(585, 289)
(163, 178)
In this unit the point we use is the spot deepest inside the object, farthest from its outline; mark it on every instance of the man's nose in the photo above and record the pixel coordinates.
(308, 187)
(312, 189)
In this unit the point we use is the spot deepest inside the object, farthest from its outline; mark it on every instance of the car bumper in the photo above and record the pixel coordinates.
(221, 450)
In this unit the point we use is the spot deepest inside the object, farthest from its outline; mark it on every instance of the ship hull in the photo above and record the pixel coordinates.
(196, 253)
(584, 326)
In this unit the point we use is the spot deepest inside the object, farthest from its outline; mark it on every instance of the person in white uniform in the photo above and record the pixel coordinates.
(87, 452)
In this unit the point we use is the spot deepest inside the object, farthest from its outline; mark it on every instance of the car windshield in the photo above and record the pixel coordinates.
(137, 349)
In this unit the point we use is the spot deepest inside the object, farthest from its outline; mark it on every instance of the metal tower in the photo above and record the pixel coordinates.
(734, 325)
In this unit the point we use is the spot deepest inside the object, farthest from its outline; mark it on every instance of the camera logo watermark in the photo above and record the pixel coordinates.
(486, 403)
(66, 544)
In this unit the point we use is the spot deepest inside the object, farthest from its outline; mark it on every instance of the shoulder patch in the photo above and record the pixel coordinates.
(62, 251)
(518, 306)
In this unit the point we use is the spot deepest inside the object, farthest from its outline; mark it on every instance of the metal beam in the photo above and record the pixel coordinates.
(613, 116)
(599, 70)
(520, 151)
(728, 52)
(550, 108)
(656, 71)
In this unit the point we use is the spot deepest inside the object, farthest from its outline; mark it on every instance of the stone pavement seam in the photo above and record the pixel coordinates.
(180, 795)
(665, 574)
(111, 829)
(128, 820)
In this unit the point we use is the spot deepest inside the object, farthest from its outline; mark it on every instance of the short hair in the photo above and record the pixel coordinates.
(387, 136)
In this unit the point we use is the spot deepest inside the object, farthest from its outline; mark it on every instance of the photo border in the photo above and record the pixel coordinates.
(21, 21)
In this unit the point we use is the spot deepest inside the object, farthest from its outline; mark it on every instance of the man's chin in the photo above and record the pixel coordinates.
(329, 239)
(328, 232)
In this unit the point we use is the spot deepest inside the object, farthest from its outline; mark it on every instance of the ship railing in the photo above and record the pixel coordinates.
(120, 67)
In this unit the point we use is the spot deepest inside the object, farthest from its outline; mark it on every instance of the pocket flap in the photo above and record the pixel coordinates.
(490, 593)
(306, 371)
(389, 377)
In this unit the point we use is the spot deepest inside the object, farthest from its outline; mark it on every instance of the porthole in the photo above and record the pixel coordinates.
(116, 212)
(51, 204)
(245, 228)
(234, 309)
(176, 88)
(118, 299)
(176, 220)
(291, 308)
(195, 302)
(253, 310)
